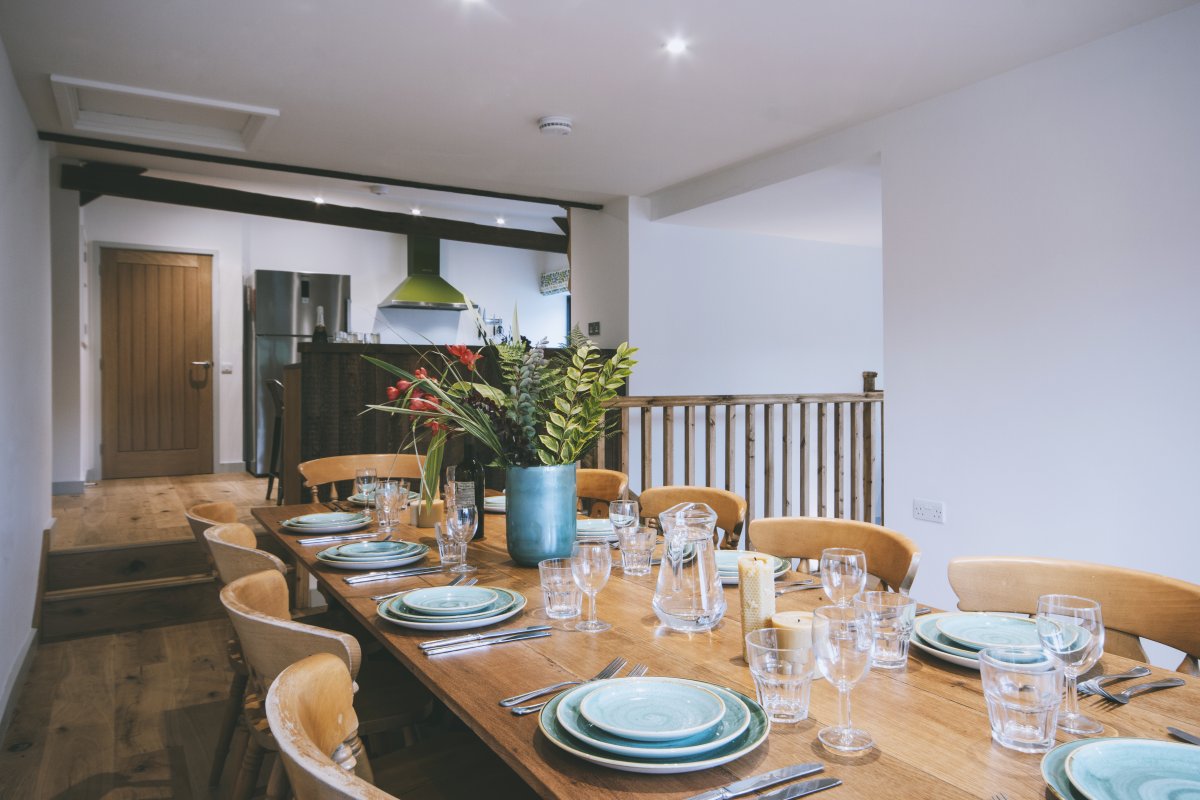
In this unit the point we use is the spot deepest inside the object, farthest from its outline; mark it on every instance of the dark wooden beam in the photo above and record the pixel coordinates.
(563, 223)
(101, 180)
(210, 158)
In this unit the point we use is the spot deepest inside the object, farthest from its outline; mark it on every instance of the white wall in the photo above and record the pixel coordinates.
(496, 277)
(25, 356)
(68, 338)
(600, 271)
(1040, 292)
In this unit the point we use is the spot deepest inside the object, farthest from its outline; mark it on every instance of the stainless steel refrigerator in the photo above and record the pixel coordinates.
(281, 311)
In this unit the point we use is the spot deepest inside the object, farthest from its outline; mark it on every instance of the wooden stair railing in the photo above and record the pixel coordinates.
(796, 454)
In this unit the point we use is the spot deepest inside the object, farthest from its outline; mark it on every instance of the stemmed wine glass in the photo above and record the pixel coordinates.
(461, 521)
(843, 573)
(590, 564)
(1072, 633)
(366, 481)
(842, 644)
(623, 514)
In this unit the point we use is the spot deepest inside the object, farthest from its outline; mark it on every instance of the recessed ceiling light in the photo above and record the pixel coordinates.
(416, 211)
(319, 200)
(676, 46)
(499, 220)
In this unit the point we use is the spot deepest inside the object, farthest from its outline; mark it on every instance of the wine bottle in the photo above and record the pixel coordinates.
(319, 332)
(469, 480)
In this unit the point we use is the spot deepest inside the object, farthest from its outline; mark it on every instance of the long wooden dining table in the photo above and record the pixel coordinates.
(929, 720)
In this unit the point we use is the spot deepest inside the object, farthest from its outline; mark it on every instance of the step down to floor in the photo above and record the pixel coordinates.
(111, 608)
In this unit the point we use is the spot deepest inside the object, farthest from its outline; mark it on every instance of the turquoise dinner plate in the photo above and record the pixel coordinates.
(983, 629)
(397, 609)
(490, 617)
(652, 709)
(727, 567)
(375, 550)
(329, 518)
(754, 735)
(734, 721)
(333, 560)
(1054, 769)
(442, 601)
(927, 629)
(1147, 769)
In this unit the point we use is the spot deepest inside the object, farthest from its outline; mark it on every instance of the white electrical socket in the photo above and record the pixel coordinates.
(929, 510)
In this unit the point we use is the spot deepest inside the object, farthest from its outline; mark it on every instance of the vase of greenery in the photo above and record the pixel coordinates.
(537, 420)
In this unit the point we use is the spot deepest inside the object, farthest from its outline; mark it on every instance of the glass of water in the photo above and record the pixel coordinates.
(637, 544)
(623, 514)
(1071, 630)
(391, 498)
(591, 563)
(782, 673)
(1023, 687)
(365, 482)
(892, 617)
(451, 552)
(843, 573)
(461, 520)
(842, 643)
(559, 591)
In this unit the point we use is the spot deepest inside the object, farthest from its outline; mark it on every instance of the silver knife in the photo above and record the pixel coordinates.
(436, 643)
(516, 637)
(1190, 738)
(801, 789)
(748, 785)
(800, 588)
(383, 576)
(344, 537)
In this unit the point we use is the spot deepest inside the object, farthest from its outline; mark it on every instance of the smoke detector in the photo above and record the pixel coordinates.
(559, 126)
(378, 189)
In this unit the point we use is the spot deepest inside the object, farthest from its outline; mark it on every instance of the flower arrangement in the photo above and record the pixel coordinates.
(545, 411)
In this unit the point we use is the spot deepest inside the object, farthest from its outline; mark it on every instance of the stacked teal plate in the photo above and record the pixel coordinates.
(496, 504)
(932, 634)
(369, 499)
(452, 608)
(595, 530)
(694, 725)
(727, 566)
(372, 555)
(1112, 769)
(329, 522)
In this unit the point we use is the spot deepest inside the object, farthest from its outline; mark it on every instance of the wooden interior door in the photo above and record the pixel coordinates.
(156, 363)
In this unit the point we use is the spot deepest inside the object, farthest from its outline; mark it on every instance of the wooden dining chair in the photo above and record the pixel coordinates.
(257, 604)
(730, 508)
(596, 488)
(891, 556)
(312, 717)
(320, 472)
(1136, 605)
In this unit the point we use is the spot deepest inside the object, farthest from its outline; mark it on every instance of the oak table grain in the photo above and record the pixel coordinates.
(929, 720)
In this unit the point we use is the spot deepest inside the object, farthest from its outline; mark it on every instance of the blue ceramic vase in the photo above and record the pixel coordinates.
(540, 513)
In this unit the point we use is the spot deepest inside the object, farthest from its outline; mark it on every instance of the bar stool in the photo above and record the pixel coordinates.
(275, 389)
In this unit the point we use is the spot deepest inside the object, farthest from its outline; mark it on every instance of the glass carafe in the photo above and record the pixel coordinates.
(689, 596)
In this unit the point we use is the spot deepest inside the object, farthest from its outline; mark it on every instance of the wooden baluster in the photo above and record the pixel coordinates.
(821, 458)
(882, 465)
(668, 446)
(730, 471)
(855, 411)
(624, 444)
(839, 507)
(787, 459)
(647, 430)
(804, 482)
(602, 444)
(710, 446)
(769, 460)
(868, 462)
(689, 445)
(751, 464)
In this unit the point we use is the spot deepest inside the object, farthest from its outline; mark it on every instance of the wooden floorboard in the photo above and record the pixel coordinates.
(146, 509)
(128, 716)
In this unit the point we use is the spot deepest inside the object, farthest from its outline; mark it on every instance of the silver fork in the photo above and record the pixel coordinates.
(1000, 796)
(1092, 684)
(521, 711)
(613, 668)
(1122, 698)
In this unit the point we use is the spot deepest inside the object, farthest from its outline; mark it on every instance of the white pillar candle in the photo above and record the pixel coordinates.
(756, 582)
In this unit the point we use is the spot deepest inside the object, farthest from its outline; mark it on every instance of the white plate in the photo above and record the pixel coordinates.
(654, 710)
(461, 625)
(736, 720)
(450, 601)
(729, 577)
(363, 564)
(495, 504)
(397, 609)
(309, 529)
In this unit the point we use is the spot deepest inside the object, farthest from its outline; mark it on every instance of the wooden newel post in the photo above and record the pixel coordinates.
(869, 381)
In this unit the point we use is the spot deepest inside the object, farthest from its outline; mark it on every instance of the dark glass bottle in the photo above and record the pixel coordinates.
(319, 332)
(469, 482)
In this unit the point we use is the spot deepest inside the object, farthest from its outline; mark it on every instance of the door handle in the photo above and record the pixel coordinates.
(205, 364)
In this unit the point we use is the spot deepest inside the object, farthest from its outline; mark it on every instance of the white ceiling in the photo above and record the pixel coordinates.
(449, 91)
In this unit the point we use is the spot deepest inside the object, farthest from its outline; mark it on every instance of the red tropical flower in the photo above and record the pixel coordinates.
(464, 355)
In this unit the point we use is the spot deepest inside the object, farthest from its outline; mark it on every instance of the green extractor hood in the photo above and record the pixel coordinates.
(424, 286)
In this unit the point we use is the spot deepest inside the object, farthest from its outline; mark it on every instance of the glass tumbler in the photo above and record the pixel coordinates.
(636, 546)
(451, 551)
(1023, 688)
(891, 617)
(560, 593)
(782, 671)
